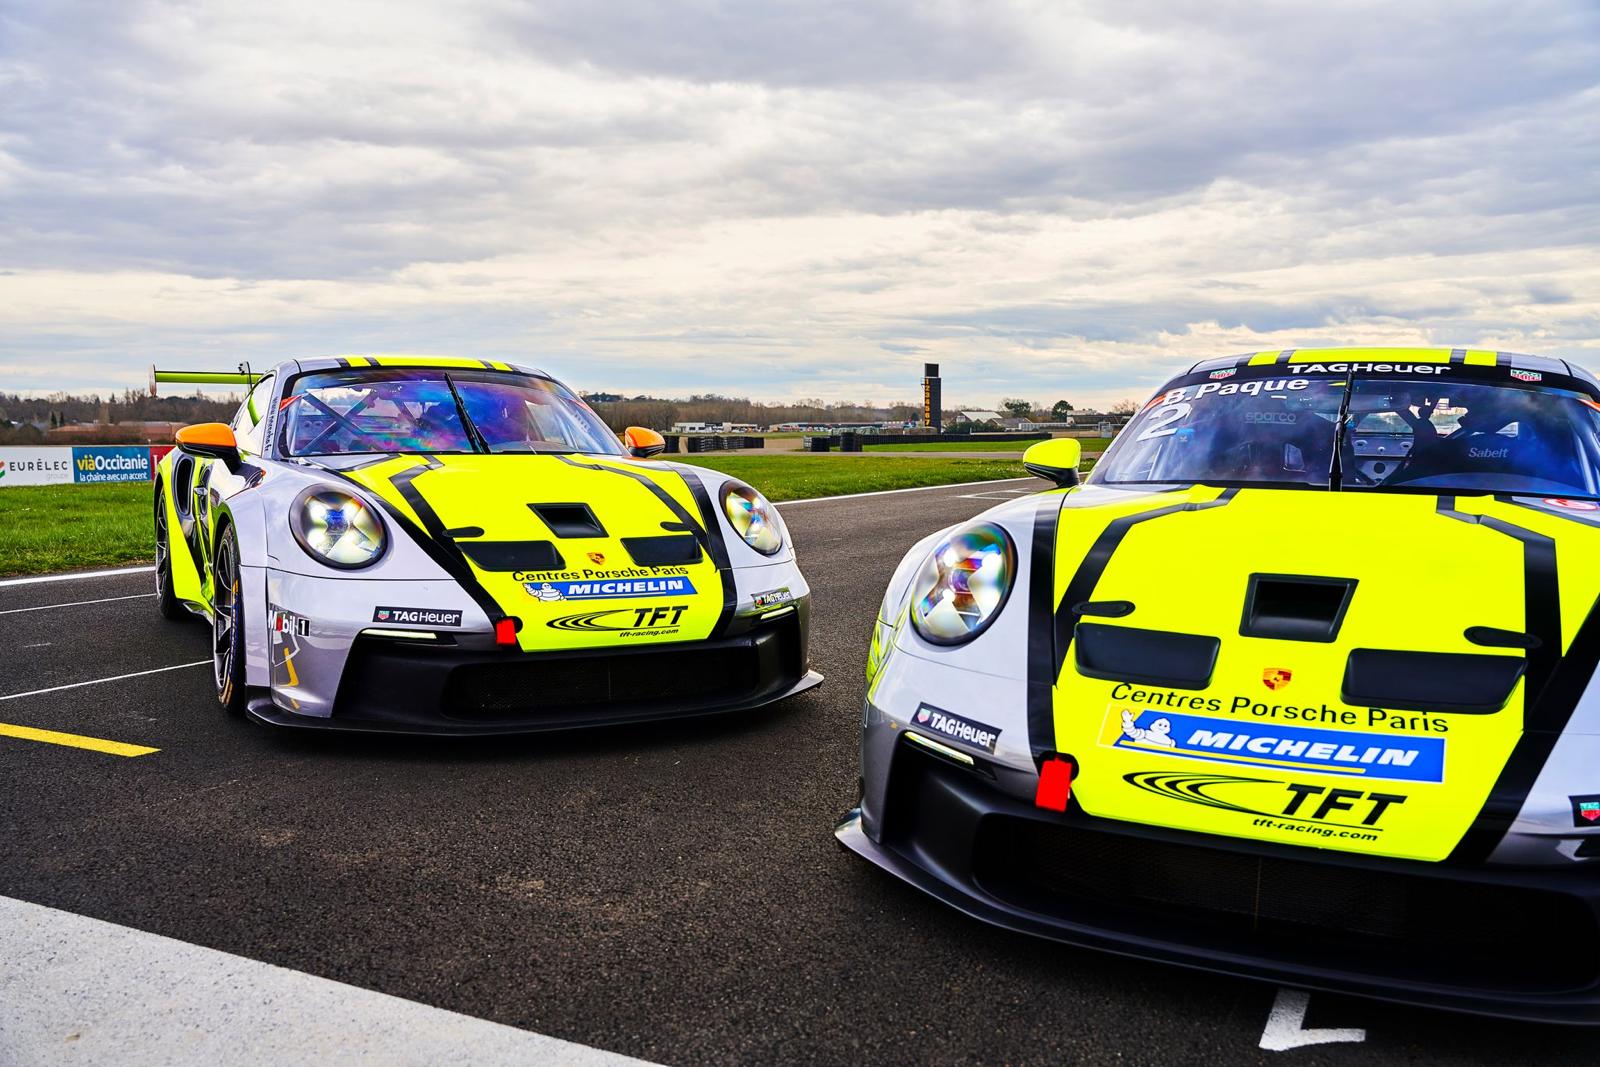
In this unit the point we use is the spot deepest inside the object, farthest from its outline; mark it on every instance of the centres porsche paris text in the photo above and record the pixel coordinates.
(1202, 737)
(606, 584)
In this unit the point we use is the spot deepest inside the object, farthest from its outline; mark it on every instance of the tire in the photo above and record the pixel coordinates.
(227, 624)
(167, 602)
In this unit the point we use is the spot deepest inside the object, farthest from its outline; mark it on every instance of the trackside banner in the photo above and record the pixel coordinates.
(79, 464)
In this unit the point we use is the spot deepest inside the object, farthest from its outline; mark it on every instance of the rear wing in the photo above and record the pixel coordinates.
(243, 376)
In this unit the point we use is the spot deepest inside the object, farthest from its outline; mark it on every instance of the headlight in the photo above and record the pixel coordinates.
(336, 528)
(963, 584)
(753, 518)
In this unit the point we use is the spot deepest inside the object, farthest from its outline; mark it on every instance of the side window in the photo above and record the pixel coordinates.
(252, 417)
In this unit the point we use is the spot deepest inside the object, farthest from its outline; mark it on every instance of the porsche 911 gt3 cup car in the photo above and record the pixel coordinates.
(458, 546)
(1299, 684)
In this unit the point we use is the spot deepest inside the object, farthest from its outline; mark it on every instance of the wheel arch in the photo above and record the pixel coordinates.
(228, 514)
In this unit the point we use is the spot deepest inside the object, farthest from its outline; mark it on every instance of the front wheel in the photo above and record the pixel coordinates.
(227, 624)
(167, 602)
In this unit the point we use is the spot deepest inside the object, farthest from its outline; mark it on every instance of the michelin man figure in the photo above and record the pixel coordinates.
(1157, 733)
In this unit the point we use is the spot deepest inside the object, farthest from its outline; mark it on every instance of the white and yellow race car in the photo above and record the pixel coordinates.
(1299, 684)
(461, 546)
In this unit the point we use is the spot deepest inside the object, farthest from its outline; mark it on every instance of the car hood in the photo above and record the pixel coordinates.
(584, 552)
(1343, 670)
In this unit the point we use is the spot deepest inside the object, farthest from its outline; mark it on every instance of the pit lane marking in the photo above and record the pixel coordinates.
(77, 603)
(1286, 1027)
(75, 577)
(93, 744)
(102, 681)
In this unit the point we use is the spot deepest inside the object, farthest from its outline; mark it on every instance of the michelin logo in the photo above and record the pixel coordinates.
(610, 589)
(1406, 759)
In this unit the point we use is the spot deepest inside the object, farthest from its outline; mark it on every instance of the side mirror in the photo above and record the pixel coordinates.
(213, 440)
(643, 443)
(1055, 460)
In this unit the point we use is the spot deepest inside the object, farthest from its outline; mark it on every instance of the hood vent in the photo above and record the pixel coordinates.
(666, 550)
(1464, 682)
(513, 555)
(1293, 607)
(569, 520)
(1149, 657)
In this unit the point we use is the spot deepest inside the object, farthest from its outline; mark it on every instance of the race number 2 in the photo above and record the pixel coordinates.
(1163, 419)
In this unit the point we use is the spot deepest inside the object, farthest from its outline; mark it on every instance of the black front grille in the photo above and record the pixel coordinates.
(1457, 932)
(667, 677)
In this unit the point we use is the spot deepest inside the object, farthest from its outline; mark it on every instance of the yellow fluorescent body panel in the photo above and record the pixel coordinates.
(1187, 572)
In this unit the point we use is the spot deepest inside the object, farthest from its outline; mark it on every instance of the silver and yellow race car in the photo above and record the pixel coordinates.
(460, 546)
(1299, 684)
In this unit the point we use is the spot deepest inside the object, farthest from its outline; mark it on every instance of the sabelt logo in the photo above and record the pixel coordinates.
(1275, 802)
(417, 616)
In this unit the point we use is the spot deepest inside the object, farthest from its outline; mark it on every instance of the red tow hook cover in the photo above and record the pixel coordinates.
(1055, 784)
(505, 631)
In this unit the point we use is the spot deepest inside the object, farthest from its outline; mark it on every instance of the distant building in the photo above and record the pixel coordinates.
(715, 427)
(977, 416)
(603, 398)
(131, 432)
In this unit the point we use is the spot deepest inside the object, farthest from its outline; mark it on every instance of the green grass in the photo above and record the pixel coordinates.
(66, 527)
(1090, 444)
(803, 476)
(45, 528)
(977, 444)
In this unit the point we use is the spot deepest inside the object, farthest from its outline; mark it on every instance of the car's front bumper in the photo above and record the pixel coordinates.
(461, 686)
(1514, 942)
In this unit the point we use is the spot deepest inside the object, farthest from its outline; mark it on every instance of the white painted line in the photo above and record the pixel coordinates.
(891, 492)
(77, 603)
(75, 577)
(79, 990)
(1286, 1025)
(100, 681)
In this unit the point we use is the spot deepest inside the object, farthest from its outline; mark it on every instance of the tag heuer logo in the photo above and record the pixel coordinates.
(1585, 810)
(1527, 375)
(1220, 374)
(597, 558)
(1276, 677)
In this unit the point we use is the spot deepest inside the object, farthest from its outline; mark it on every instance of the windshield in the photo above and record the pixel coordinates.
(1425, 434)
(1264, 431)
(420, 410)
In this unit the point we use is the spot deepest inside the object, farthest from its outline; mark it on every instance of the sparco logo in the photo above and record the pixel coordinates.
(417, 616)
(980, 734)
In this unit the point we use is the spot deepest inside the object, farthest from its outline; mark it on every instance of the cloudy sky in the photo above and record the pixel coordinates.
(792, 199)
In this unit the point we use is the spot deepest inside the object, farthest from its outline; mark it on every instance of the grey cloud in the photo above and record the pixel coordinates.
(227, 142)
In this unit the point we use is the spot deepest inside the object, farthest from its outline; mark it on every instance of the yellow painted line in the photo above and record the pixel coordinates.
(93, 744)
(1478, 357)
(1262, 359)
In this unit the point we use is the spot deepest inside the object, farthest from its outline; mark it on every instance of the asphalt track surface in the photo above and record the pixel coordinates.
(672, 893)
